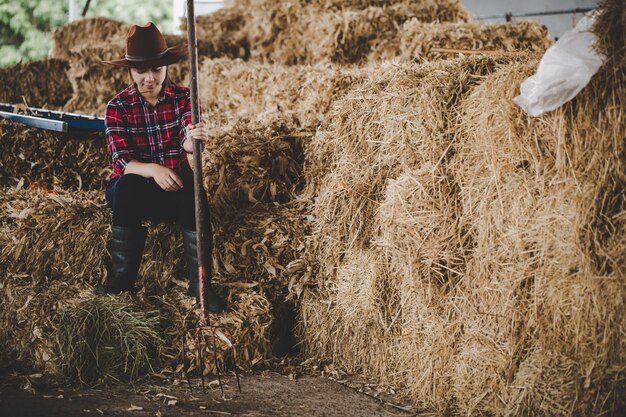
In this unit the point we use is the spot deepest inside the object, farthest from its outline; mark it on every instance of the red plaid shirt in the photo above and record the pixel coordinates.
(137, 131)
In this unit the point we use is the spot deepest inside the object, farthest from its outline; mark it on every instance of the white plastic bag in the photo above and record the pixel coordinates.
(565, 68)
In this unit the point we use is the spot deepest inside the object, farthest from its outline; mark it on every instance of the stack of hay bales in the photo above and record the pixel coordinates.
(284, 33)
(385, 128)
(58, 266)
(295, 32)
(422, 229)
(308, 34)
(467, 251)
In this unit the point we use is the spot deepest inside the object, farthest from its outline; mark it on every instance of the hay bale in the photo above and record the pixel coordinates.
(444, 11)
(63, 247)
(37, 84)
(85, 33)
(294, 32)
(529, 214)
(417, 39)
(52, 160)
(344, 37)
(248, 164)
(107, 337)
(223, 33)
(266, 245)
(266, 27)
(609, 28)
(527, 188)
(266, 92)
(379, 129)
(418, 226)
(361, 308)
(306, 35)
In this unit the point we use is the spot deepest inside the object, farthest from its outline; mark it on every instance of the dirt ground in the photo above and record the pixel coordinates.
(263, 394)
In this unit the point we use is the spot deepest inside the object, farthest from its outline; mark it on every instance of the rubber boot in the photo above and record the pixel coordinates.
(213, 303)
(127, 245)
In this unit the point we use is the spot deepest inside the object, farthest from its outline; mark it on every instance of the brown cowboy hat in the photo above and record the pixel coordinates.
(146, 48)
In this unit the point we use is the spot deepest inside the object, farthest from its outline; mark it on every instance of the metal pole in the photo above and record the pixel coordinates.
(86, 8)
(72, 10)
(198, 186)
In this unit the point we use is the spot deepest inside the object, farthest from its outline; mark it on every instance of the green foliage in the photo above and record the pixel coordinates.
(157, 11)
(26, 26)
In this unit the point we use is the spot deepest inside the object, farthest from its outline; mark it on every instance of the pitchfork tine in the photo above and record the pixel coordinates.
(201, 361)
(233, 355)
(217, 368)
(185, 372)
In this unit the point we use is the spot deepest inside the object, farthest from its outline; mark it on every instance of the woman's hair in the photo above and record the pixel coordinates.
(166, 81)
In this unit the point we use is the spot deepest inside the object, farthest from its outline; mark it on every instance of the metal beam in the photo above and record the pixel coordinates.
(534, 14)
(38, 122)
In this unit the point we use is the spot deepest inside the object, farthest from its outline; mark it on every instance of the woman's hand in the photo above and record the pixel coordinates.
(166, 178)
(199, 131)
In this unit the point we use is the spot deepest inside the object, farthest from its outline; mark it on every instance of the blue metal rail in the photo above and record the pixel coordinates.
(52, 120)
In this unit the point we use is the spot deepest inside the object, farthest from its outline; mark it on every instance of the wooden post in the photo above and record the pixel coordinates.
(198, 185)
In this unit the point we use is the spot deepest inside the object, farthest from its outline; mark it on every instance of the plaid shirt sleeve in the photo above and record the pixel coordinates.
(185, 105)
(185, 117)
(115, 123)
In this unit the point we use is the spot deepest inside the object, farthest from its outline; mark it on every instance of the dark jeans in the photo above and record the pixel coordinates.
(134, 198)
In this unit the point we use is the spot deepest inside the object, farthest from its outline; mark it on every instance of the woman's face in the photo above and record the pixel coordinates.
(149, 80)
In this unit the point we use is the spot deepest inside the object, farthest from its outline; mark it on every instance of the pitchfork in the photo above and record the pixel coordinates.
(214, 332)
(205, 327)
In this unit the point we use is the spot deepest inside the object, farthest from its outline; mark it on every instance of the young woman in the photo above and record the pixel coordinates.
(149, 133)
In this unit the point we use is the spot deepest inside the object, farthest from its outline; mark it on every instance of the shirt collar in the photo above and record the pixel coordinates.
(168, 92)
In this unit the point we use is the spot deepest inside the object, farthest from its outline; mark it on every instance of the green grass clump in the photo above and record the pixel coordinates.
(107, 337)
